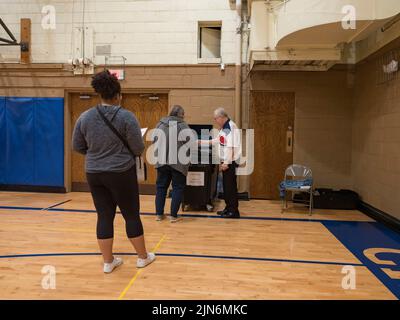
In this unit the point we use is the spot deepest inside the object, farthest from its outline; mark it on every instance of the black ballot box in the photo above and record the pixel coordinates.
(201, 187)
(201, 181)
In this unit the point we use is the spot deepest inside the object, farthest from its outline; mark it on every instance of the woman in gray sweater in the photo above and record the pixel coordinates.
(110, 168)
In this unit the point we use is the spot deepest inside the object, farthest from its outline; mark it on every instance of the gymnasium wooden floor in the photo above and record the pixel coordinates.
(263, 256)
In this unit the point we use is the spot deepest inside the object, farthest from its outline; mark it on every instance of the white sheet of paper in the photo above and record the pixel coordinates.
(143, 131)
(194, 178)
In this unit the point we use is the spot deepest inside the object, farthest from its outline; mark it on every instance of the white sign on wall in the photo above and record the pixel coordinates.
(119, 73)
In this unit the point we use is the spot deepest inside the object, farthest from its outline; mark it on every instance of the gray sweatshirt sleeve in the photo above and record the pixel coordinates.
(134, 134)
(78, 140)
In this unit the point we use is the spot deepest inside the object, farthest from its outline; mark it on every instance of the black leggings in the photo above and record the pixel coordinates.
(110, 189)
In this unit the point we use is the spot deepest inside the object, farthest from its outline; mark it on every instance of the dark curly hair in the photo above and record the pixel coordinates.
(106, 85)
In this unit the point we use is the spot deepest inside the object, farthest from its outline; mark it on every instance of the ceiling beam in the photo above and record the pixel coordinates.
(297, 67)
(334, 54)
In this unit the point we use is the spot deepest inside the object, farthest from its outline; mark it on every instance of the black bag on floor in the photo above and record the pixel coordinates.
(338, 200)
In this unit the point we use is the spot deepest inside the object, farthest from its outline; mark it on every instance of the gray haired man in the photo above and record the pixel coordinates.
(171, 169)
(229, 146)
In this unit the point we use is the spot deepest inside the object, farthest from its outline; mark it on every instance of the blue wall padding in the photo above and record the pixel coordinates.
(34, 141)
(2, 139)
(20, 150)
(49, 138)
(49, 131)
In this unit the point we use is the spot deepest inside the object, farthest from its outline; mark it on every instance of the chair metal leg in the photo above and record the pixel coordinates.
(286, 206)
(311, 201)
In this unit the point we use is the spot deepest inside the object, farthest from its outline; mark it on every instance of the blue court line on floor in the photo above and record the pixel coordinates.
(57, 204)
(183, 255)
(185, 215)
(21, 208)
(361, 236)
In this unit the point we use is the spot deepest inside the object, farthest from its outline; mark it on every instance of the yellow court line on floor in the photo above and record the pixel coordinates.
(123, 293)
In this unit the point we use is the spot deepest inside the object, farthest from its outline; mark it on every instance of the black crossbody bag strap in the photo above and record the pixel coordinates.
(116, 132)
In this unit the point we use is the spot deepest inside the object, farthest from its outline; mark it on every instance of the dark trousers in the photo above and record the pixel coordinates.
(165, 175)
(110, 189)
(230, 189)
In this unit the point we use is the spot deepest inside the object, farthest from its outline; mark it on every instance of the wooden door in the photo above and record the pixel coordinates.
(147, 111)
(79, 103)
(272, 117)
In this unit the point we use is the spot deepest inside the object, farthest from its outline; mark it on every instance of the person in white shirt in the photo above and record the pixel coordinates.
(229, 151)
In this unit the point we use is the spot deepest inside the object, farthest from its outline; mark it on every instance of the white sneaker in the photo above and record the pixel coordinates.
(175, 219)
(160, 217)
(141, 263)
(109, 267)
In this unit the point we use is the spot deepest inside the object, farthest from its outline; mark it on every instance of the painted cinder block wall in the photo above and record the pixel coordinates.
(136, 28)
(198, 88)
(145, 32)
(323, 121)
(376, 139)
(347, 128)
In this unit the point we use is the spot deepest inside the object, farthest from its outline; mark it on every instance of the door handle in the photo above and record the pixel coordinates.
(289, 140)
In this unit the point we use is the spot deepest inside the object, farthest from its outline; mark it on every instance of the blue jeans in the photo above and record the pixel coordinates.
(165, 175)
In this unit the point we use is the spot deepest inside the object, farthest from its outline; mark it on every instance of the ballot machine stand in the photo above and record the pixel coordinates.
(201, 181)
(201, 188)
